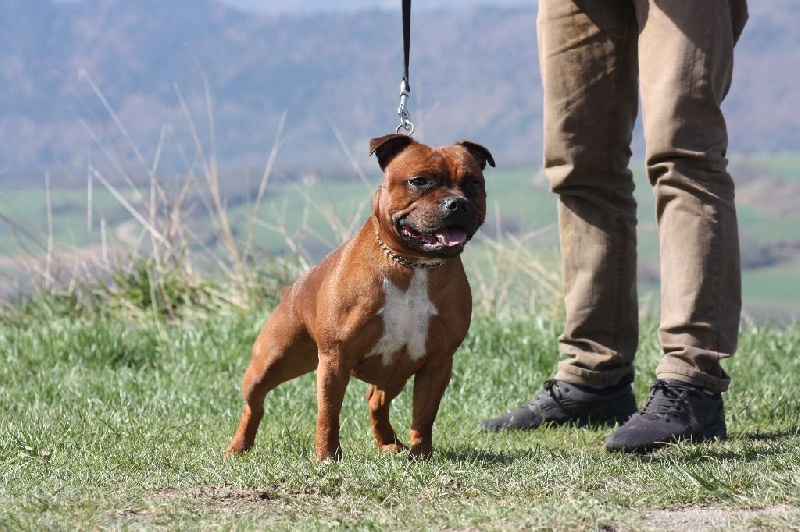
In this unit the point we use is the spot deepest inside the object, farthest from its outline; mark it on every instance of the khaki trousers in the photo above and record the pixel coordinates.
(595, 56)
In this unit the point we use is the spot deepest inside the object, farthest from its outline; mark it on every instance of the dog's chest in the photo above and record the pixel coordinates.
(406, 319)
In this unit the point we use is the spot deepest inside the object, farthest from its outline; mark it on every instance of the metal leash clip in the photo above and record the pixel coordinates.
(402, 112)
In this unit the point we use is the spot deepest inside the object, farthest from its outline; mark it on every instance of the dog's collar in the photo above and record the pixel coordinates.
(404, 261)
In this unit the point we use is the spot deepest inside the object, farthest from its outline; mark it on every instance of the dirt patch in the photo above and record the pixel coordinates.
(226, 501)
(231, 499)
(701, 518)
(234, 501)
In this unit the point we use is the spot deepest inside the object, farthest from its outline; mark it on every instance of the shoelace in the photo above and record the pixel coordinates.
(549, 386)
(665, 399)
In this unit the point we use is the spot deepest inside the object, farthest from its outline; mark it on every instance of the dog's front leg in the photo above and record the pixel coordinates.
(379, 400)
(430, 383)
(332, 380)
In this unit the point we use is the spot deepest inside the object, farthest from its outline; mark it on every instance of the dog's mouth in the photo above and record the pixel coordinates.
(445, 241)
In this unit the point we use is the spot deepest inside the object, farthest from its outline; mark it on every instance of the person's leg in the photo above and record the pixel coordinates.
(587, 51)
(687, 140)
(686, 58)
(588, 58)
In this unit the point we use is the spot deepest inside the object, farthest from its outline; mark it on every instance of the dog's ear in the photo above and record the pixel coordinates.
(387, 147)
(480, 153)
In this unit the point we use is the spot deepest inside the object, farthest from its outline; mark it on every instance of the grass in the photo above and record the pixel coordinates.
(313, 219)
(107, 423)
(777, 283)
(783, 165)
(119, 389)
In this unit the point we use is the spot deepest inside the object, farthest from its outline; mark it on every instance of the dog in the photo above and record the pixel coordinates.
(391, 303)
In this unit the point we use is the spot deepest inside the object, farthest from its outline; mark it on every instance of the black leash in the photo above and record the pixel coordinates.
(405, 86)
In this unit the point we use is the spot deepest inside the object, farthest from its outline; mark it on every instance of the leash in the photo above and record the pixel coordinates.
(405, 86)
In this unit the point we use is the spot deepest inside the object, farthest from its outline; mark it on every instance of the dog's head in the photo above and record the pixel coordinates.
(431, 200)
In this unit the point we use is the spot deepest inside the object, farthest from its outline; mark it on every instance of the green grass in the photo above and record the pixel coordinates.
(765, 228)
(106, 423)
(784, 165)
(119, 393)
(764, 289)
(315, 218)
(28, 208)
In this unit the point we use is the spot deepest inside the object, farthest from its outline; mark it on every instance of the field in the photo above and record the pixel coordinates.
(111, 424)
(308, 221)
(120, 389)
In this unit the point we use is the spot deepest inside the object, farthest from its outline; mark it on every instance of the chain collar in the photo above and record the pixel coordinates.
(404, 261)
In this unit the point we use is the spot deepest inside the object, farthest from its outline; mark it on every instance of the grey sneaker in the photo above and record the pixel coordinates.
(674, 411)
(561, 402)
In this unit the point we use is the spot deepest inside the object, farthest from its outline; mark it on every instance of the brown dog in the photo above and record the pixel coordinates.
(390, 303)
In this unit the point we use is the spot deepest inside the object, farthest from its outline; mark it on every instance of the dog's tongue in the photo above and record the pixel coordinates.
(451, 237)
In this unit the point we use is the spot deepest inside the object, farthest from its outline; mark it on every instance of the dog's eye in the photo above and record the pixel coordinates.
(474, 185)
(418, 182)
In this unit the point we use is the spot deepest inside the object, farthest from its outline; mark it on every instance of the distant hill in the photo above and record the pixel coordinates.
(474, 74)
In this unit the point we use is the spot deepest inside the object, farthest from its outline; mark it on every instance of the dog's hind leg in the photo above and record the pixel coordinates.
(279, 354)
(379, 399)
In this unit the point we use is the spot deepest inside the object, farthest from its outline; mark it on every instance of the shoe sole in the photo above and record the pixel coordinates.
(717, 432)
(580, 421)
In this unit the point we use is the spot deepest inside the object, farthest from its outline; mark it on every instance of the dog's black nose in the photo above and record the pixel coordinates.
(456, 203)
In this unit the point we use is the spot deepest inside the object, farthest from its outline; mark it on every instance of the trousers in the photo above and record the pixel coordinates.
(596, 58)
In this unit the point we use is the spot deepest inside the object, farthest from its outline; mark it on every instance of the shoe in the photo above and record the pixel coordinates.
(561, 402)
(674, 411)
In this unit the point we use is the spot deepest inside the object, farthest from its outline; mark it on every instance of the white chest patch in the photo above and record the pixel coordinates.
(406, 316)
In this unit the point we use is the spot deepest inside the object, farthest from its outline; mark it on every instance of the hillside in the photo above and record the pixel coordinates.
(474, 75)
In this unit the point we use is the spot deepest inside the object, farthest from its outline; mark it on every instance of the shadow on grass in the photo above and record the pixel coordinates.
(739, 447)
(770, 435)
(472, 455)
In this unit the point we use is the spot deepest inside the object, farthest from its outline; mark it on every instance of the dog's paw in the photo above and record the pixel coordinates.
(234, 449)
(396, 447)
(420, 452)
(326, 455)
